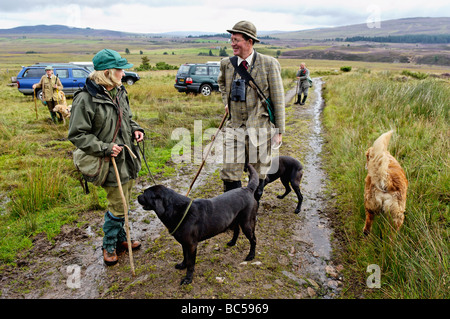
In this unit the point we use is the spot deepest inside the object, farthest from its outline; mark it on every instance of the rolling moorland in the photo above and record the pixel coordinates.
(45, 215)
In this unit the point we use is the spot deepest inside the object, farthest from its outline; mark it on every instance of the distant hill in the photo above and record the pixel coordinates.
(407, 26)
(61, 30)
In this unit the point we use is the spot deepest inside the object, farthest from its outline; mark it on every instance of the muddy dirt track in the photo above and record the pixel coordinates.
(293, 254)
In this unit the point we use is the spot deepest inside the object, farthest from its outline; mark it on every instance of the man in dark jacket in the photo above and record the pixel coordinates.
(100, 121)
(303, 84)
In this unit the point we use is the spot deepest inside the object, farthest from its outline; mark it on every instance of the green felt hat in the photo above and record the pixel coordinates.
(110, 59)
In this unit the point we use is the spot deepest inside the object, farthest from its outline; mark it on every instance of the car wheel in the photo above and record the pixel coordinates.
(205, 89)
(130, 81)
(39, 95)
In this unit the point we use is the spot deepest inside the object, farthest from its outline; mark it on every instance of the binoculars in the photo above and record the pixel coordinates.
(238, 90)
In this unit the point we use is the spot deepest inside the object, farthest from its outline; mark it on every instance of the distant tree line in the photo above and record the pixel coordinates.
(227, 36)
(409, 38)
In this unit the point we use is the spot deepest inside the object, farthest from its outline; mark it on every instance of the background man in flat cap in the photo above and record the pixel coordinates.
(50, 85)
(248, 117)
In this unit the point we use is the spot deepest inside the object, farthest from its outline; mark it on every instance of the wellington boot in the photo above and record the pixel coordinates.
(304, 99)
(228, 186)
(54, 118)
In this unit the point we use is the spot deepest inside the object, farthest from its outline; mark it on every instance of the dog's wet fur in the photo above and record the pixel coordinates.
(290, 171)
(385, 185)
(205, 218)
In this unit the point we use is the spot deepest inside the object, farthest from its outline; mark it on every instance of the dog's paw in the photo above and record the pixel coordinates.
(181, 265)
(231, 243)
(250, 256)
(297, 211)
(186, 281)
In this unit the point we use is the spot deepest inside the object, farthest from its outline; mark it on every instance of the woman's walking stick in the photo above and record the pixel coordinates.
(125, 210)
(207, 153)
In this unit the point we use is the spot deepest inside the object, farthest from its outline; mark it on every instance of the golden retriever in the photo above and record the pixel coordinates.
(62, 107)
(385, 185)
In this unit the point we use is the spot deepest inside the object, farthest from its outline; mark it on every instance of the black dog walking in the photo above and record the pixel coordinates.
(290, 171)
(192, 221)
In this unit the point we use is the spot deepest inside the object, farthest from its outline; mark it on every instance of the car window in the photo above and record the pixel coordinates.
(184, 69)
(34, 73)
(214, 70)
(62, 73)
(77, 73)
(201, 70)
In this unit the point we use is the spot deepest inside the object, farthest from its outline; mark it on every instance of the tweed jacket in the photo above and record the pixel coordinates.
(47, 84)
(266, 72)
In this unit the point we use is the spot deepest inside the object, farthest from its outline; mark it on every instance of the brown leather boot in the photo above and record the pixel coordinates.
(110, 258)
(123, 246)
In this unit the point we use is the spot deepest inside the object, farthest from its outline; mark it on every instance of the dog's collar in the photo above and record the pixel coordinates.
(185, 213)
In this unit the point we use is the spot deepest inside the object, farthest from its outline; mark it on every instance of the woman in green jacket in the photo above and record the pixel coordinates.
(100, 123)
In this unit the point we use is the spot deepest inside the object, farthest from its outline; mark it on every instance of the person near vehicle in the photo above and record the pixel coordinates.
(100, 125)
(303, 84)
(50, 85)
(245, 138)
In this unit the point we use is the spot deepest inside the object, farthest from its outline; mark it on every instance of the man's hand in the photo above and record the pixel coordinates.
(277, 140)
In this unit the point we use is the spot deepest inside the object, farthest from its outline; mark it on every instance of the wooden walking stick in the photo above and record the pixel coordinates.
(207, 153)
(35, 105)
(125, 210)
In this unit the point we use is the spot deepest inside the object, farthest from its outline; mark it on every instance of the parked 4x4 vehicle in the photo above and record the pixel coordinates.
(198, 78)
(72, 77)
(129, 78)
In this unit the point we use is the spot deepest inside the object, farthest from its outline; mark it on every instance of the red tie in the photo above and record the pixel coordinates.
(245, 64)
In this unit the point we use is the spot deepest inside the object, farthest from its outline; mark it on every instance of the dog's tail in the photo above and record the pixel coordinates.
(378, 160)
(380, 145)
(253, 179)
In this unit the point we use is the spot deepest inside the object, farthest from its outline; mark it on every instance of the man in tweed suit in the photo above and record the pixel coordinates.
(249, 133)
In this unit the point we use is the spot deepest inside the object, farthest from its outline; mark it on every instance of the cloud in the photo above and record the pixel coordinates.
(151, 16)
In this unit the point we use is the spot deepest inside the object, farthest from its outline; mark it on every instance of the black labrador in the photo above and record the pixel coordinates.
(204, 218)
(290, 170)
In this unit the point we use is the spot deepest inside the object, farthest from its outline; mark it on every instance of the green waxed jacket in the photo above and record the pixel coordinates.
(93, 122)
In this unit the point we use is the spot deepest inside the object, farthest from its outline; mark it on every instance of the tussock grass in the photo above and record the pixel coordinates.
(359, 108)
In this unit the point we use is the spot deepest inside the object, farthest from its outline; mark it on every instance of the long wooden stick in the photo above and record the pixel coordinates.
(35, 105)
(207, 153)
(125, 210)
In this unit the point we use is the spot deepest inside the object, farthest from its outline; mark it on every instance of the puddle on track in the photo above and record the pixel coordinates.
(313, 230)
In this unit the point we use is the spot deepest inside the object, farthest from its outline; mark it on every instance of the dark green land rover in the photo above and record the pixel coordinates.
(198, 78)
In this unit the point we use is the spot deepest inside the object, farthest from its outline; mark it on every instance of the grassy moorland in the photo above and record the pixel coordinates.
(360, 106)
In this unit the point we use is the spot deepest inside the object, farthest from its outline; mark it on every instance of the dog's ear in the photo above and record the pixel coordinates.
(368, 155)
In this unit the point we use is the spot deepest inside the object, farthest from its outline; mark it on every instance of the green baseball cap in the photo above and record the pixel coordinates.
(110, 59)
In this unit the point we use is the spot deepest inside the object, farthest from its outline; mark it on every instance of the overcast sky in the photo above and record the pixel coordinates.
(154, 16)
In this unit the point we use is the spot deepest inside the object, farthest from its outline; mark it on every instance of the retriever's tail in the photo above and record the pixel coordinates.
(378, 160)
(253, 179)
(380, 145)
